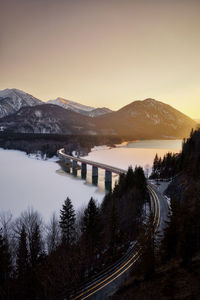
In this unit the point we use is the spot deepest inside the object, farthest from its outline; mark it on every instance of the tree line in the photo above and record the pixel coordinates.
(39, 261)
(48, 144)
(174, 163)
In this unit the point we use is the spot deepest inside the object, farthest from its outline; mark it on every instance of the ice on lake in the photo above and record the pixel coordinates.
(138, 153)
(28, 182)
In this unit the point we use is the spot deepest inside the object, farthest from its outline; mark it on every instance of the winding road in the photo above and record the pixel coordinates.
(107, 283)
(109, 280)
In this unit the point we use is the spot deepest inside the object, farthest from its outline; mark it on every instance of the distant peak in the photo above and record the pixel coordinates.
(149, 100)
(13, 90)
(62, 100)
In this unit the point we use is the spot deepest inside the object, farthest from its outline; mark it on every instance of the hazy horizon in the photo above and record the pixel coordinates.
(196, 118)
(103, 52)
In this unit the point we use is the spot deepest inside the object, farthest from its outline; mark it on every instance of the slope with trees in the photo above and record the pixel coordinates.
(176, 272)
(50, 262)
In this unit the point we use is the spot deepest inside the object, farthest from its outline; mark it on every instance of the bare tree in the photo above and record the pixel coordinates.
(53, 234)
(29, 219)
(6, 227)
(6, 223)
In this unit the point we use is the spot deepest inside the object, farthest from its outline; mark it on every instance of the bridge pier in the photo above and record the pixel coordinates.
(108, 186)
(74, 167)
(95, 180)
(67, 160)
(108, 180)
(108, 176)
(94, 171)
(67, 169)
(94, 175)
(83, 171)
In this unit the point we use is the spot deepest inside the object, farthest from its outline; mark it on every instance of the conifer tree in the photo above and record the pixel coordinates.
(156, 166)
(35, 245)
(22, 254)
(140, 180)
(130, 178)
(5, 259)
(147, 242)
(67, 222)
(92, 223)
(113, 230)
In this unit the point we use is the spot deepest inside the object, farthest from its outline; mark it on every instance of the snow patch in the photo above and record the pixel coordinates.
(168, 201)
(38, 113)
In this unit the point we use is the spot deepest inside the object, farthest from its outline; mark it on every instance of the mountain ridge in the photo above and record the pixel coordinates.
(147, 119)
(11, 100)
(147, 116)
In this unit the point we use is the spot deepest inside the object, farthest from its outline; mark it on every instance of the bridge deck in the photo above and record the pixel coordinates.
(92, 163)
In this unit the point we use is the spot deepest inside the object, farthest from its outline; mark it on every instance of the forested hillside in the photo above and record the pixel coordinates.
(171, 268)
(39, 261)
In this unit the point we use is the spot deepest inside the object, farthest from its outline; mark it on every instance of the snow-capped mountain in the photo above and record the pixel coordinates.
(148, 119)
(11, 100)
(21, 112)
(48, 118)
(71, 105)
(80, 108)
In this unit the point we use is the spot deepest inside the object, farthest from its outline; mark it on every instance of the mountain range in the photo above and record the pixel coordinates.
(11, 100)
(21, 112)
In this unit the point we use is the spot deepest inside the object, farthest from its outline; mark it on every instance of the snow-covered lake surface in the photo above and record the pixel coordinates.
(135, 153)
(28, 182)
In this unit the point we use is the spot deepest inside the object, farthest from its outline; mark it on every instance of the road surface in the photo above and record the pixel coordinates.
(108, 283)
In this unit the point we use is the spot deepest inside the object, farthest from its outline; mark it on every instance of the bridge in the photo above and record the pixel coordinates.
(73, 161)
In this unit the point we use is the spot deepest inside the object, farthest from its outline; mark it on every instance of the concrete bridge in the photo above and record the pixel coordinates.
(73, 161)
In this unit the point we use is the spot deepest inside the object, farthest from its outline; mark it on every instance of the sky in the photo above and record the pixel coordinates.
(103, 52)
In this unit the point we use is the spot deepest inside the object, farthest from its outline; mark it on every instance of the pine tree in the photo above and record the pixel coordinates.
(92, 223)
(156, 166)
(35, 245)
(148, 246)
(22, 254)
(91, 229)
(113, 230)
(67, 222)
(5, 260)
(130, 178)
(140, 180)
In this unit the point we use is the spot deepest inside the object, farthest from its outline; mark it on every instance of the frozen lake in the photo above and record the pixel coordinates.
(135, 153)
(28, 182)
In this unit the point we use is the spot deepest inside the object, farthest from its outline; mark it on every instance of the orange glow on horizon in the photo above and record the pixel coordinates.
(103, 52)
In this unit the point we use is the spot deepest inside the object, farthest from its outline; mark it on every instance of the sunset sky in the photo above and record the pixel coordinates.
(103, 52)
